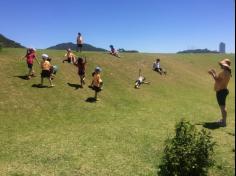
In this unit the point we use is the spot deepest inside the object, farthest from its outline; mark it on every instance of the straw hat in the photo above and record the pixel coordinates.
(226, 63)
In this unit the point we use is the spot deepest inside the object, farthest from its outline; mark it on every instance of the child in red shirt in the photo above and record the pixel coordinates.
(30, 56)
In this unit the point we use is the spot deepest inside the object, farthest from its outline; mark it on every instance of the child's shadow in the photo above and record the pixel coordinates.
(39, 86)
(76, 86)
(25, 77)
(91, 100)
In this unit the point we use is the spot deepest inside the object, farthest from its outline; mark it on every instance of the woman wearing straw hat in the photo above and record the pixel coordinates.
(221, 83)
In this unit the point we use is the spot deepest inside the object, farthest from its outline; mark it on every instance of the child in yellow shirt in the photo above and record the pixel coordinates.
(45, 65)
(97, 82)
(70, 57)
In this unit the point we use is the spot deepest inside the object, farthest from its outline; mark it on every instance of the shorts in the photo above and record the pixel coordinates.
(97, 89)
(138, 83)
(69, 60)
(81, 73)
(221, 96)
(45, 74)
(79, 45)
(30, 66)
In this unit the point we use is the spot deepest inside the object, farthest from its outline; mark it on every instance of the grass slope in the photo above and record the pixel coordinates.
(54, 131)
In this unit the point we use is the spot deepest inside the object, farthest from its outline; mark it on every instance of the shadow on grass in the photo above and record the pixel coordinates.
(91, 100)
(211, 125)
(76, 86)
(24, 77)
(39, 86)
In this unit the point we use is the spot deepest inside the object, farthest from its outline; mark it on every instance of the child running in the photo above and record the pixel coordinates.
(113, 51)
(70, 57)
(80, 63)
(45, 65)
(221, 83)
(30, 56)
(97, 82)
(140, 80)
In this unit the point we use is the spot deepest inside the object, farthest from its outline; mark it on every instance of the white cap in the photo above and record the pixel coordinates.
(98, 69)
(44, 56)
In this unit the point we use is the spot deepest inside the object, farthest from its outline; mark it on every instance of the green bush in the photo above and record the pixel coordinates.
(0, 47)
(189, 153)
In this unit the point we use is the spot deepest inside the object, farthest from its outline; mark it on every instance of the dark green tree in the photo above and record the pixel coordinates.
(188, 153)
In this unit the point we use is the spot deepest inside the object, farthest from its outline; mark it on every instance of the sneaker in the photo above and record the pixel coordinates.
(51, 85)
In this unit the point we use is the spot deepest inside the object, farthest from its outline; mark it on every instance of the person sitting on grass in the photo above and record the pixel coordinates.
(97, 82)
(70, 57)
(140, 80)
(80, 63)
(156, 67)
(113, 51)
(45, 65)
(30, 56)
(221, 83)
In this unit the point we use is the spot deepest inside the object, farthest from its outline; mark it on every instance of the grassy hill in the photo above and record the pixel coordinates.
(55, 131)
(7, 43)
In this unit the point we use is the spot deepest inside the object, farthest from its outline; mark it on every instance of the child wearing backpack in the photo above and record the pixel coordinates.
(45, 65)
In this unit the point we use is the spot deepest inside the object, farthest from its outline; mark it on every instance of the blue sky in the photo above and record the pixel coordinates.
(163, 26)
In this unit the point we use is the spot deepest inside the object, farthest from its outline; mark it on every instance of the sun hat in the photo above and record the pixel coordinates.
(68, 49)
(226, 63)
(44, 56)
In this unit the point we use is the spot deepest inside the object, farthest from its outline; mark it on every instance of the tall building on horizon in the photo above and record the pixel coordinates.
(222, 47)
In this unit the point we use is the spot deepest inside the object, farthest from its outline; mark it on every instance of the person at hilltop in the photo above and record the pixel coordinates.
(97, 83)
(45, 65)
(156, 67)
(79, 42)
(221, 83)
(70, 57)
(80, 63)
(30, 56)
(113, 51)
(141, 80)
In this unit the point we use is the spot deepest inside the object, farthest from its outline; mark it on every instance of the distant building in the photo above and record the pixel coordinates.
(222, 47)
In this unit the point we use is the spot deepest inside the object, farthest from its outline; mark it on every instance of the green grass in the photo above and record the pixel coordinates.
(54, 131)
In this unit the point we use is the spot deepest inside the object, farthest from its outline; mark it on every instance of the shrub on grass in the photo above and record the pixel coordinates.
(188, 153)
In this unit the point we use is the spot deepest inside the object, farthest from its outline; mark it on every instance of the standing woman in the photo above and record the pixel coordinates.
(221, 83)
(79, 42)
